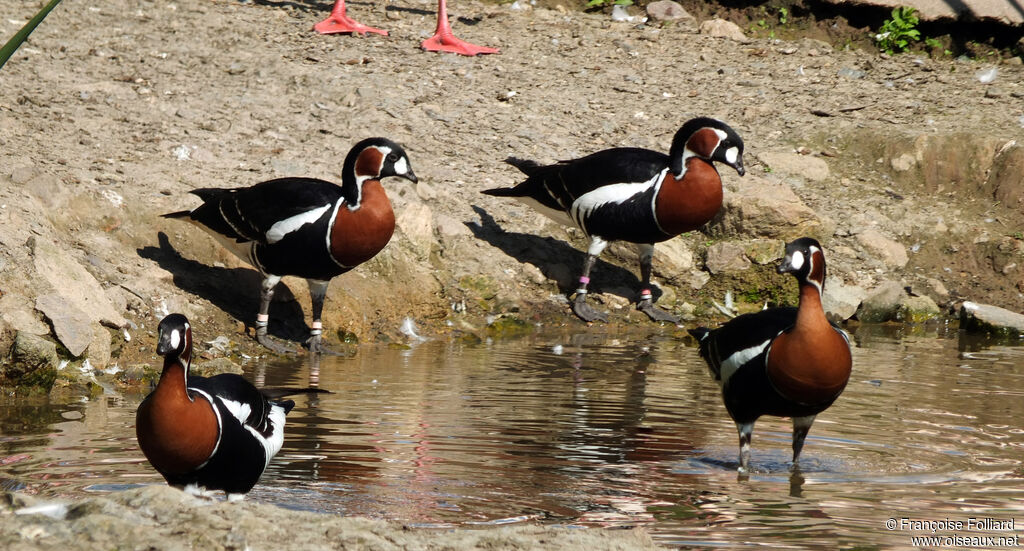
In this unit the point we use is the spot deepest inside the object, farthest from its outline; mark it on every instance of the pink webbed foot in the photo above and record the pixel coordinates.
(447, 42)
(341, 23)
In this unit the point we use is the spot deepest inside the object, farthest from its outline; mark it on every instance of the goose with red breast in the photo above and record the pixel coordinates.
(783, 361)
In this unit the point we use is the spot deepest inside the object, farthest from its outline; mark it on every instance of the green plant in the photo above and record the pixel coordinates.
(21, 36)
(936, 45)
(897, 33)
(783, 15)
(602, 3)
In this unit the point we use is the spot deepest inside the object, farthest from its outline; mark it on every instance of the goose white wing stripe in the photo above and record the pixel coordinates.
(276, 440)
(270, 445)
(239, 410)
(292, 223)
(614, 193)
(739, 358)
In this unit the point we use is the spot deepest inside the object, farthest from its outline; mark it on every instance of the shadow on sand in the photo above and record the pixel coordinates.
(557, 259)
(233, 290)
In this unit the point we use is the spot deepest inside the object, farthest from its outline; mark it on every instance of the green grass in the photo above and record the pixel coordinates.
(21, 36)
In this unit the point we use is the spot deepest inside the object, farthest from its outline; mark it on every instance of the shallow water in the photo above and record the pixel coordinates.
(593, 429)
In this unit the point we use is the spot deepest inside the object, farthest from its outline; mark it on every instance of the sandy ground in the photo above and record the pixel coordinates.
(112, 113)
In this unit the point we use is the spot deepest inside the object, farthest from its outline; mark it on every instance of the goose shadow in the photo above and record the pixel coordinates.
(557, 260)
(236, 291)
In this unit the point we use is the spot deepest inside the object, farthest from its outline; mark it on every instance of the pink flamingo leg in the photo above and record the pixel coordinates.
(338, 22)
(444, 41)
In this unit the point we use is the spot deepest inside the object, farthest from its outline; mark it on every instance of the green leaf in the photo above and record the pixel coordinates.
(21, 36)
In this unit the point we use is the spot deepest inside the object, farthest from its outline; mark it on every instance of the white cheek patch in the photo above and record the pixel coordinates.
(732, 154)
(797, 260)
(402, 166)
(175, 339)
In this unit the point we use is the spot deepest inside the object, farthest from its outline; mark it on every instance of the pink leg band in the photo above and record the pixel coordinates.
(584, 280)
(262, 318)
(317, 325)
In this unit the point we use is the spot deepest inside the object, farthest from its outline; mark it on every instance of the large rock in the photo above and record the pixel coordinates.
(1006, 180)
(765, 251)
(73, 327)
(759, 207)
(667, 10)
(726, 257)
(1003, 11)
(7, 334)
(17, 310)
(918, 309)
(805, 166)
(841, 301)
(992, 320)
(33, 363)
(673, 258)
(73, 282)
(720, 28)
(889, 252)
(882, 304)
(416, 221)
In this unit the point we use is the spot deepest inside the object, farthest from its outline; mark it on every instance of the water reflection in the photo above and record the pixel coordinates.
(598, 429)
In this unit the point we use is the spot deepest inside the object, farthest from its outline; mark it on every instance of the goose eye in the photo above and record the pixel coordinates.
(392, 158)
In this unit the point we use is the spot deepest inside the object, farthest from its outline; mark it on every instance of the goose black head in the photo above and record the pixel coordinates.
(709, 139)
(376, 158)
(174, 337)
(805, 259)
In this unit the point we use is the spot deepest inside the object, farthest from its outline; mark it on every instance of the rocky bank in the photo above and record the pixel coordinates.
(909, 169)
(160, 517)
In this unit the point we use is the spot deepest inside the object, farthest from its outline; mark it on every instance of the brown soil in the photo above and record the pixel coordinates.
(112, 113)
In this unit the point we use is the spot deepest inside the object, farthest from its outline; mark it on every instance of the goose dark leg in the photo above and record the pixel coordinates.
(444, 41)
(318, 293)
(801, 425)
(579, 304)
(263, 319)
(646, 303)
(746, 431)
(340, 22)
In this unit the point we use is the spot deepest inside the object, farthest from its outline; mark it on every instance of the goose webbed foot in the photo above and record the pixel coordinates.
(656, 314)
(269, 342)
(586, 312)
(317, 347)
